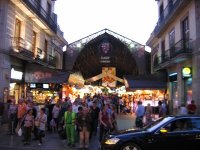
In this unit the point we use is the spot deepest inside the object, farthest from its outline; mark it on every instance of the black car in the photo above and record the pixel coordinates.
(170, 133)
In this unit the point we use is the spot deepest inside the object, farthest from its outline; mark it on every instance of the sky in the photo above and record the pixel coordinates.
(134, 19)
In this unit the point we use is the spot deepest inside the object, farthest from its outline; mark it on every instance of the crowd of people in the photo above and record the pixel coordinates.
(78, 120)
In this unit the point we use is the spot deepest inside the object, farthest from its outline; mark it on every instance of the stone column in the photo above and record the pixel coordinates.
(181, 98)
(196, 80)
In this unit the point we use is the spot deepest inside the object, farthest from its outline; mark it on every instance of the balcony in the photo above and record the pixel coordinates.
(169, 14)
(21, 48)
(52, 61)
(177, 53)
(40, 57)
(43, 14)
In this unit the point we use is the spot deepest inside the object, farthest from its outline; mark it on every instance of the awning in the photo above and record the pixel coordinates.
(39, 74)
(146, 82)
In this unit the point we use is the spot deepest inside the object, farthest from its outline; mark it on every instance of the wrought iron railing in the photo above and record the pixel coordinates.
(167, 13)
(43, 14)
(22, 47)
(181, 47)
(41, 55)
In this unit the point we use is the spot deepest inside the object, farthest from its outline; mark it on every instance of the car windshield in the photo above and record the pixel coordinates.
(157, 123)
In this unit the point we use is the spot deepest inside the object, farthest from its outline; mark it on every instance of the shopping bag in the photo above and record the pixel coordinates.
(19, 132)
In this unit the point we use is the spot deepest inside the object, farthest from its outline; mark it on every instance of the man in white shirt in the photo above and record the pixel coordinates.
(75, 107)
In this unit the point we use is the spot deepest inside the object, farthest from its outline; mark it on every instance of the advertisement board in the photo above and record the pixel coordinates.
(107, 80)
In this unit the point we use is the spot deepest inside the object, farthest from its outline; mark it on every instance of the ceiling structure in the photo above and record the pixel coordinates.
(121, 53)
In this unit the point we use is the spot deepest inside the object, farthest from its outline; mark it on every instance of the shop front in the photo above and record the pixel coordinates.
(16, 88)
(180, 87)
(150, 89)
(44, 84)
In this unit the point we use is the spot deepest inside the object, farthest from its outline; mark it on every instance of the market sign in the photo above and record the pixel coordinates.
(16, 74)
(105, 52)
(186, 72)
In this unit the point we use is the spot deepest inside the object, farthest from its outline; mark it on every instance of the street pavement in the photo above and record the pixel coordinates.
(52, 140)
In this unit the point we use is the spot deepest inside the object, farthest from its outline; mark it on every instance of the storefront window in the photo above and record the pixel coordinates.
(189, 90)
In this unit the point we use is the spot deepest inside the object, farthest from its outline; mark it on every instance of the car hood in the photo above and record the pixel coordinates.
(131, 131)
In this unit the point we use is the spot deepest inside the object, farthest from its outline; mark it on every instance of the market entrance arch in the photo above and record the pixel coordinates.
(106, 50)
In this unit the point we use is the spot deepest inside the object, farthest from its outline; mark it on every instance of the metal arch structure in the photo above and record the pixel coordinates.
(132, 45)
(129, 56)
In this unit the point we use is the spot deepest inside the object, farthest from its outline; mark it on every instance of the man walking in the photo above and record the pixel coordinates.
(139, 115)
(70, 118)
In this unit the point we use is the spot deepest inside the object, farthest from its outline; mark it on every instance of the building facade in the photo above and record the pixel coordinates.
(176, 49)
(30, 36)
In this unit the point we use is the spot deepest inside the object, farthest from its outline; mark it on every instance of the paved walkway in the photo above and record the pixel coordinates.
(52, 140)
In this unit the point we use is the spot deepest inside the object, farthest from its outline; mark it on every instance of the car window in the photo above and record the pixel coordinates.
(182, 124)
(157, 124)
(196, 123)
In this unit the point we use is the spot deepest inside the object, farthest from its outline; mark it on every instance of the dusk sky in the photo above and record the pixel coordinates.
(134, 19)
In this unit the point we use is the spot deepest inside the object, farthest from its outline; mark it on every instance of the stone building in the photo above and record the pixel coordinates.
(176, 49)
(30, 40)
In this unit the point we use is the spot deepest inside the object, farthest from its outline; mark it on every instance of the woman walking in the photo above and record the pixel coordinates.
(83, 122)
(105, 122)
(41, 120)
(114, 118)
(28, 126)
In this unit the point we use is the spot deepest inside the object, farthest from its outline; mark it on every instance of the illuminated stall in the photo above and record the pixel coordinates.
(148, 88)
(44, 84)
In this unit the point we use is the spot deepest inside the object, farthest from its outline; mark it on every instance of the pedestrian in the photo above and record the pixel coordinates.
(84, 126)
(139, 115)
(12, 117)
(21, 111)
(55, 115)
(70, 122)
(105, 122)
(114, 118)
(28, 126)
(191, 108)
(183, 110)
(148, 114)
(1, 111)
(41, 120)
(162, 110)
(95, 117)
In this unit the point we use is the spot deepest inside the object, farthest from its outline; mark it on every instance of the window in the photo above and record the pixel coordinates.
(163, 49)
(196, 123)
(185, 28)
(49, 9)
(161, 14)
(172, 38)
(34, 38)
(183, 124)
(17, 27)
(45, 48)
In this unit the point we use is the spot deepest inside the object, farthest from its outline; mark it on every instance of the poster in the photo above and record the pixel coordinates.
(107, 79)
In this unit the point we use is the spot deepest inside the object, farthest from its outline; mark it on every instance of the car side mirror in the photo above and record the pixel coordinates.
(163, 131)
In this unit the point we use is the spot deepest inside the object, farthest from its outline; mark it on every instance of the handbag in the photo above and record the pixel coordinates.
(19, 133)
(37, 123)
